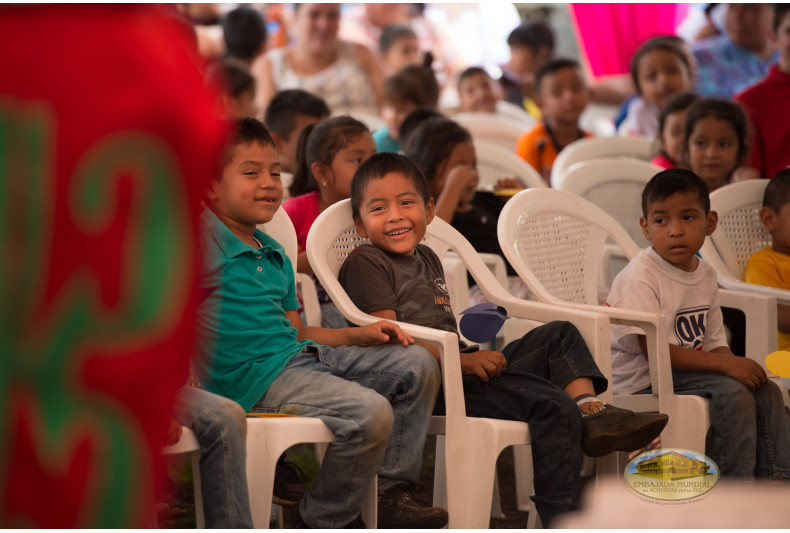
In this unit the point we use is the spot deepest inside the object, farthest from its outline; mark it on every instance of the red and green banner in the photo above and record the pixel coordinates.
(107, 140)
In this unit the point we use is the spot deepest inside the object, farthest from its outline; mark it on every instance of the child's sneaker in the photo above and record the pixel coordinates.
(613, 429)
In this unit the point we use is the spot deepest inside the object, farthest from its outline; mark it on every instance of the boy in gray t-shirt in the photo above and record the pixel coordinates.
(547, 378)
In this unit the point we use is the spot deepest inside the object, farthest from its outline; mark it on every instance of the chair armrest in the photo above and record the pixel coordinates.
(305, 286)
(761, 321)
(782, 296)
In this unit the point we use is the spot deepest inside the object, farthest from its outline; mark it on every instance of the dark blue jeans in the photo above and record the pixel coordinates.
(539, 366)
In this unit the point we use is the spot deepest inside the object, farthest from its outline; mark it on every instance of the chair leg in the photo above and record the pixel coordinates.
(496, 503)
(200, 519)
(522, 467)
(440, 474)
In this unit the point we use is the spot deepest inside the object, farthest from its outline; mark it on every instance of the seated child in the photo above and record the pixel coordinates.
(289, 112)
(547, 378)
(531, 46)
(750, 434)
(255, 350)
(768, 106)
(562, 97)
(411, 88)
(476, 92)
(399, 47)
(236, 87)
(660, 68)
(672, 129)
(771, 265)
(244, 32)
(715, 143)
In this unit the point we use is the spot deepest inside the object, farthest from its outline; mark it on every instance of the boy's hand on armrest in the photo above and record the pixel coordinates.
(720, 360)
(484, 364)
(381, 332)
(743, 369)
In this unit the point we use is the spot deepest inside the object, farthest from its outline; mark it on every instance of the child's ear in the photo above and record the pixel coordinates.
(429, 208)
(322, 173)
(643, 225)
(211, 190)
(713, 221)
(360, 228)
(768, 218)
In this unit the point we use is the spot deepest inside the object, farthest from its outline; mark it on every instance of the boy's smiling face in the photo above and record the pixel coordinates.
(393, 214)
(249, 191)
(677, 226)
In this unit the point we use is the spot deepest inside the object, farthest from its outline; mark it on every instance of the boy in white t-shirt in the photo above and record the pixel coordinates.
(749, 434)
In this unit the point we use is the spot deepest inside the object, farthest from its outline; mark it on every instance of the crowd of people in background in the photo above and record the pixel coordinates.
(318, 76)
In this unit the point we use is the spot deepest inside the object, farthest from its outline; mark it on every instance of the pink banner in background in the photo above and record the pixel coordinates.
(608, 34)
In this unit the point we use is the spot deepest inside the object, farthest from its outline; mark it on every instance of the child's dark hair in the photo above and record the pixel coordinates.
(777, 193)
(413, 121)
(721, 109)
(229, 78)
(320, 143)
(392, 33)
(673, 181)
(533, 35)
(287, 105)
(470, 72)
(414, 84)
(780, 12)
(554, 65)
(668, 43)
(676, 102)
(377, 167)
(244, 30)
(244, 131)
(431, 144)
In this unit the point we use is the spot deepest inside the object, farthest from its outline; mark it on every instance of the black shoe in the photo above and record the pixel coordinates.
(296, 521)
(614, 429)
(288, 488)
(399, 509)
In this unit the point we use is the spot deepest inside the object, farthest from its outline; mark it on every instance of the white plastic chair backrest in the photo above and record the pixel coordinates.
(333, 237)
(555, 241)
(595, 147)
(281, 229)
(500, 129)
(615, 185)
(516, 112)
(740, 233)
(495, 162)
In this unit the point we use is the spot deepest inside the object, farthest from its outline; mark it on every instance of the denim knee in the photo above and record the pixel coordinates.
(375, 420)
(234, 417)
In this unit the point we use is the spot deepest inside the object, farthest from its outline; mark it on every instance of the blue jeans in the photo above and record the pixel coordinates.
(377, 401)
(539, 366)
(749, 433)
(220, 426)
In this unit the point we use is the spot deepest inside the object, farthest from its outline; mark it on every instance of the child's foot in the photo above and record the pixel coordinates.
(608, 429)
(288, 487)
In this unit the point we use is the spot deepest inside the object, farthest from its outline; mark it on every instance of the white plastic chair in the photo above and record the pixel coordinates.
(739, 235)
(515, 112)
(269, 437)
(189, 444)
(596, 147)
(555, 240)
(472, 445)
(615, 185)
(493, 127)
(495, 162)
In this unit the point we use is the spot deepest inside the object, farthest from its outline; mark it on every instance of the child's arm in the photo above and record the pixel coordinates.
(302, 264)
(458, 180)
(720, 360)
(369, 335)
(485, 364)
